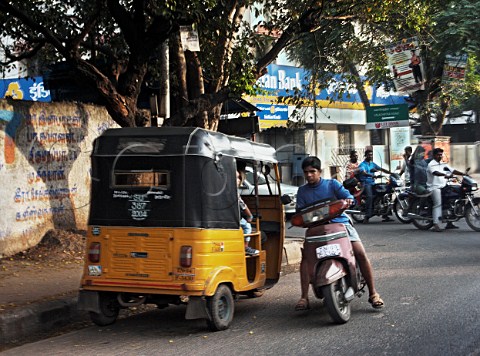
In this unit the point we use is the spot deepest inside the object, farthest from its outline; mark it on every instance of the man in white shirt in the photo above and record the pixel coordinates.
(437, 176)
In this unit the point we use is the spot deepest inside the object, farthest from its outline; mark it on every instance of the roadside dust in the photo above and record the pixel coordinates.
(47, 271)
(56, 249)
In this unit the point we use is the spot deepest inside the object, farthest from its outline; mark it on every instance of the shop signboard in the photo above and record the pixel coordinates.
(387, 116)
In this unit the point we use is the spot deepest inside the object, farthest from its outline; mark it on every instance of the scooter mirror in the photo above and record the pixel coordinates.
(266, 170)
(285, 199)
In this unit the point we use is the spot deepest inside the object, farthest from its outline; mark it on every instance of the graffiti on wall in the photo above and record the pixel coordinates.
(45, 164)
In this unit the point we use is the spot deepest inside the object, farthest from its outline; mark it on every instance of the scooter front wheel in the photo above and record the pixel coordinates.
(334, 298)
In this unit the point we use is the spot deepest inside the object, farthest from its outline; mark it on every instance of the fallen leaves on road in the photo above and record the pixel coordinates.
(56, 249)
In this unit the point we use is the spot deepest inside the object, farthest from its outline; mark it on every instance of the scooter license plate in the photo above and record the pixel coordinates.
(328, 251)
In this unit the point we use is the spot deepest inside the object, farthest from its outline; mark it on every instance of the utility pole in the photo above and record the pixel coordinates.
(164, 110)
(315, 110)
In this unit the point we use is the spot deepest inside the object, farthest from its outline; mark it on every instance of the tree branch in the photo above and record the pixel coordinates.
(88, 27)
(28, 21)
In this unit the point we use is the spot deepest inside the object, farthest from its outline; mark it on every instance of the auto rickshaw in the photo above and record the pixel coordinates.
(164, 225)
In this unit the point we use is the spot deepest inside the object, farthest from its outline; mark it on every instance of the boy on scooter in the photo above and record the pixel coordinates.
(317, 189)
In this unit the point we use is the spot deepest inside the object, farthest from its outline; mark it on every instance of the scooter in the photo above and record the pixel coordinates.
(333, 271)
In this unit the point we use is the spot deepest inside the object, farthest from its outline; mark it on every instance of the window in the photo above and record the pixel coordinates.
(345, 143)
(377, 137)
(142, 179)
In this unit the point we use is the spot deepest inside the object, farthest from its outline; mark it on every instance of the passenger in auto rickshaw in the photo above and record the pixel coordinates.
(246, 218)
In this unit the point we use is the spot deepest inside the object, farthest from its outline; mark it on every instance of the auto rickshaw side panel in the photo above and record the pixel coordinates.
(156, 190)
(272, 224)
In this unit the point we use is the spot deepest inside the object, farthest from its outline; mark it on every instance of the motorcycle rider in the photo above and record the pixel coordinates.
(317, 189)
(366, 173)
(437, 176)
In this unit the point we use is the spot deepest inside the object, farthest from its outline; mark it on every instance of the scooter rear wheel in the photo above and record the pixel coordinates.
(399, 211)
(334, 298)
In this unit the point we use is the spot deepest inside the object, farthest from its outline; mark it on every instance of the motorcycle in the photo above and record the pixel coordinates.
(384, 194)
(458, 201)
(332, 269)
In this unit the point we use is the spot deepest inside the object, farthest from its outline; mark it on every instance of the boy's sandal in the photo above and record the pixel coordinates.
(376, 301)
(302, 304)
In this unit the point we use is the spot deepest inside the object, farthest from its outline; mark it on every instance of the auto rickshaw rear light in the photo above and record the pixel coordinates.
(186, 256)
(94, 252)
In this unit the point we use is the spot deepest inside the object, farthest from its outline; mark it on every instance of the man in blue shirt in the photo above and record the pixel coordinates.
(317, 189)
(366, 171)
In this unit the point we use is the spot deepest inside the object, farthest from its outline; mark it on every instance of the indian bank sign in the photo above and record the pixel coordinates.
(281, 80)
(272, 112)
(272, 115)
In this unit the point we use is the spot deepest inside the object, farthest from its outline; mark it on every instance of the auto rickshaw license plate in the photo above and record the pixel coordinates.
(328, 251)
(185, 274)
(95, 270)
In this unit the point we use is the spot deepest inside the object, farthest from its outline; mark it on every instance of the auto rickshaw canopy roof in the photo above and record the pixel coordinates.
(176, 141)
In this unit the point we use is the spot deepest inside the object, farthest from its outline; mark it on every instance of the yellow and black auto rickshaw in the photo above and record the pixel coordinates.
(164, 224)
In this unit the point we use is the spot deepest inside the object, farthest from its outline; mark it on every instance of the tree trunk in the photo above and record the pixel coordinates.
(181, 72)
(376, 135)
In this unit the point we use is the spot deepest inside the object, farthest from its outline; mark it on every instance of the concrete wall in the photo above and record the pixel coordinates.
(45, 168)
(464, 156)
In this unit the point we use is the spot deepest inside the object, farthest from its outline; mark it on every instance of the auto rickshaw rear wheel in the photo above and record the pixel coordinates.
(109, 309)
(221, 307)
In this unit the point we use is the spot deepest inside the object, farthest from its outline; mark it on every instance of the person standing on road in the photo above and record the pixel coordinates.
(437, 177)
(366, 173)
(351, 168)
(317, 189)
(406, 164)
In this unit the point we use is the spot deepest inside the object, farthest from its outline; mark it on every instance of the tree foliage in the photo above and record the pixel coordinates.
(452, 30)
(357, 44)
(114, 46)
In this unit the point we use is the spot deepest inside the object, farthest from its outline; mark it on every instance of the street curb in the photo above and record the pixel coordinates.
(38, 318)
(45, 318)
(292, 253)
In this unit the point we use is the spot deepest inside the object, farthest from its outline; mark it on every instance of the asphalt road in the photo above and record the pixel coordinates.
(430, 283)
